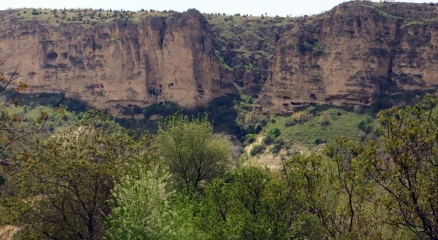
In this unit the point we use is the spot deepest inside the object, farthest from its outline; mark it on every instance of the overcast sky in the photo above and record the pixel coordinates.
(254, 7)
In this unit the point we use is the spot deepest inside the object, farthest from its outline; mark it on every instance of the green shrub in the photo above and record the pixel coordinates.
(365, 126)
(275, 131)
(369, 120)
(301, 116)
(311, 110)
(269, 139)
(319, 141)
(278, 145)
(264, 122)
(250, 138)
(258, 128)
(361, 125)
(276, 148)
(279, 141)
(257, 149)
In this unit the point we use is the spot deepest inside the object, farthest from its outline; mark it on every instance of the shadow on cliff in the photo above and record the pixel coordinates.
(220, 112)
(53, 100)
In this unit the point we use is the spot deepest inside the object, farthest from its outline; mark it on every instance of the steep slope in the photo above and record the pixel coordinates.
(349, 56)
(156, 59)
(245, 46)
(353, 54)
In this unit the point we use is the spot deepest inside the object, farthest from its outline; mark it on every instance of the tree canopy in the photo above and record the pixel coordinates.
(96, 180)
(13, 127)
(191, 150)
(406, 168)
(66, 182)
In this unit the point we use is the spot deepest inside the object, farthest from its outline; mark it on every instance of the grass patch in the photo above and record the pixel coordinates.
(323, 127)
(87, 17)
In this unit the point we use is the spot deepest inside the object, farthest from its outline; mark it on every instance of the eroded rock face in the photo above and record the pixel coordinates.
(348, 56)
(156, 60)
(352, 54)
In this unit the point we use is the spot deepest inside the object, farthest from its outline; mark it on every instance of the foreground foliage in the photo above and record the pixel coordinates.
(95, 181)
(65, 184)
(145, 209)
(191, 151)
(13, 126)
(251, 203)
(408, 170)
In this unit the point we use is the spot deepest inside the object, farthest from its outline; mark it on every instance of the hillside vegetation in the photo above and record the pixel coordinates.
(93, 178)
(254, 163)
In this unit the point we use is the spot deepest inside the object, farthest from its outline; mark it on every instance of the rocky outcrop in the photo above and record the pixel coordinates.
(353, 54)
(159, 58)
(348, 56)
(245, 47)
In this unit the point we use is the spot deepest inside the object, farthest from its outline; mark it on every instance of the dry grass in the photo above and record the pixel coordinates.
(7, 232)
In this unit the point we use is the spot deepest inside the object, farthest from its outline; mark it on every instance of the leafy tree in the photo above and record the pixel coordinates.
(15, 130)
(234, 204)
(253, 203)
(145, 209)
(142, 206)
(335, 195)
(354, 209)
(307, 176)
(191, 150)
(407, 167)
(13, 127)
(65, 185)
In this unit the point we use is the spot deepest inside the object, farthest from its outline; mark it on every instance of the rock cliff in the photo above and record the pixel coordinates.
(354, 54)
(155, 59)
(348, 56)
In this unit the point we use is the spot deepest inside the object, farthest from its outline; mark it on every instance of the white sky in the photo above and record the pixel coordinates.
(254, 7)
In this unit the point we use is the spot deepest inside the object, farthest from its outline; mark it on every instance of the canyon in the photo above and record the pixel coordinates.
(348, 56)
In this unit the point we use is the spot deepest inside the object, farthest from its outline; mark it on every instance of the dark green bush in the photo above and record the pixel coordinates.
(250, 138)
(361, 125)
(311, 110)
(365, 126)
(278, 145)
(269, 139)
(275, 131)
(319, 141)
(276, 148)
(257, 149)
(279, 141)
(2, 180)
(264, 122)
(324, 121)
